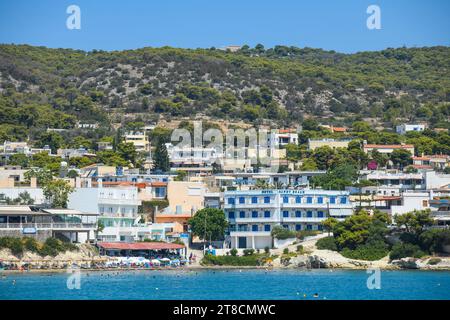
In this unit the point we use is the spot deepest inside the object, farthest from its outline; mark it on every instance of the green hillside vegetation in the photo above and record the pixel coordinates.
(42, 87)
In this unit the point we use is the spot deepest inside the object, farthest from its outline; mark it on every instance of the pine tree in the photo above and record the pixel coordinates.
(161, 158)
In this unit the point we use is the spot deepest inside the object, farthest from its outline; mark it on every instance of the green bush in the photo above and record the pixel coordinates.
(281, 233)
(305, 233)
(327, 243)
(248, 252)
(285, 251)
(434, 261)
(14, 244)
(300, 248)
(52, 247)
(233, 252)
(267, 250)
(404, 250)
(369, 251)
(249, 260)
(31, 244)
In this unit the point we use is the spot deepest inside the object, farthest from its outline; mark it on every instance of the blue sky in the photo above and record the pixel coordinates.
(333, 25)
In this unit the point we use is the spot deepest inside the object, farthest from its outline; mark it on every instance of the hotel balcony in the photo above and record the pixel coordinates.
(303, 219)
(255, 220)
(116, 201)
(60, 226)
(249, 233)
(250, 205)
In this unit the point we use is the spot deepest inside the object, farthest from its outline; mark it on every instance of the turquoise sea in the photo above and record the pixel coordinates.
(227, 284)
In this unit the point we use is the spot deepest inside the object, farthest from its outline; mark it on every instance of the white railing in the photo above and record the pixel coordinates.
(56, 225)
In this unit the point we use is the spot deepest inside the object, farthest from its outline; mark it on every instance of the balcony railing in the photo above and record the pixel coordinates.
(52, 225)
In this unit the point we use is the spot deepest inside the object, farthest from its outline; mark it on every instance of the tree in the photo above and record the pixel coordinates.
(401, 157)
(209, 223)
(414, 222)
(57, 192)
(161, 158)
(52, 139)
(18, 159)
(329, 224)
(127, 151)
(42, 176)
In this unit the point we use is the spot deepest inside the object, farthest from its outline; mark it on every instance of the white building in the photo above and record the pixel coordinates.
(117, 208)
(282, 138)
(404, 128)
(253, 214)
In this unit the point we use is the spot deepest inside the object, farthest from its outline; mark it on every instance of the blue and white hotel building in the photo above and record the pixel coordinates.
(253, 214)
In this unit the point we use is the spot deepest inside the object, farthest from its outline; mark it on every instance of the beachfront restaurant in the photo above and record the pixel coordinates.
(149, 250)
(41, 223)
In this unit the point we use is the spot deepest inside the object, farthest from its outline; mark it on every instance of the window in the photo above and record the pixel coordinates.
(320, 200)
(230, 200)
(343, 200)
(254, 200)
(285, 214)
(241, 200)
(254, 214)
(298, 227)
(308, 199)
(298, 214)
(285, 199)
(319, 227)
(266, 214)
(255, 227)
(308, 227)
(286, 226)
(309, 214)
(320, 214)
(298, 199)
(266, 199)
(267, 227)
(333, 200)
(242, 214)
(231, 215)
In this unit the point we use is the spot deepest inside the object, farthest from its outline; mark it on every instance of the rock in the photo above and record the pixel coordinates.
(407, 263)
(299, 261)
(317, 262)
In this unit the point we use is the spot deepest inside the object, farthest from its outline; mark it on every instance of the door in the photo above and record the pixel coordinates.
(242, 242)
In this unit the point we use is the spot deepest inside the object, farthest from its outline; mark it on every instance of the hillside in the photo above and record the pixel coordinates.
(42, 87)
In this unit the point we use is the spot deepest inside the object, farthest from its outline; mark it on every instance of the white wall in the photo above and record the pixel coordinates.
(35, 193)
(435, 180)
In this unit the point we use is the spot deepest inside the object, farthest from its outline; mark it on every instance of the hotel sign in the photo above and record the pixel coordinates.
(29, 230)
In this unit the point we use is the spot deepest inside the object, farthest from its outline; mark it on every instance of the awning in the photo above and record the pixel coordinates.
(139, 246)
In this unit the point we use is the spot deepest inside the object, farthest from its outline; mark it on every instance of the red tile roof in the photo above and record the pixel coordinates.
(339, 129)
(140, 245)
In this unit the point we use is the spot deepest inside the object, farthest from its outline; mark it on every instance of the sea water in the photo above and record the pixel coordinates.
(226, 284)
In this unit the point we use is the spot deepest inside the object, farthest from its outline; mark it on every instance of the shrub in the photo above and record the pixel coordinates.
(369, 251)
(434, 261)
(281, 233)
(14, 244)
(300, 248)
(233, 252)
(31, 244)
(404, 250)
(248, 252)
(327, 243)
(285, 251)
(249, 260)
(305, 233)
(267, 250)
